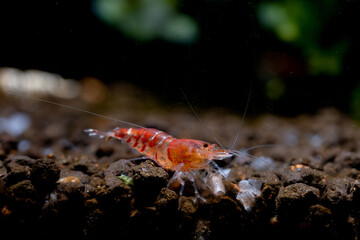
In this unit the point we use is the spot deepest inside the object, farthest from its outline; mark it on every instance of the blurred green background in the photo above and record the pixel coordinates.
(296, 55)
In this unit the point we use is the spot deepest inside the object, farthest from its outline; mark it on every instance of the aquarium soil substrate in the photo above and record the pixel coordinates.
(56, 182)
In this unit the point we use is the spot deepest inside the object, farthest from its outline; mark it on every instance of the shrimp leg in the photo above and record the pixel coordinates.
(196, 191)
(177, 177)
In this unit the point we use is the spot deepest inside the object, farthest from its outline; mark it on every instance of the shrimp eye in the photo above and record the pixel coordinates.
(205, 145)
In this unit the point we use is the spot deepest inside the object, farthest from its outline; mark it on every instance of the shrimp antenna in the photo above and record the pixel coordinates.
(74, 108)
(198, 117)
(254, 147)
(243, 118)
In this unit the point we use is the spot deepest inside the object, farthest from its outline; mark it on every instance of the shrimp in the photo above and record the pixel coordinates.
(179, 155)
(183, 156)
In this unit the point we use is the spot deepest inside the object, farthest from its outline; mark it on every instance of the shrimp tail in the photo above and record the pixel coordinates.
(100, 134)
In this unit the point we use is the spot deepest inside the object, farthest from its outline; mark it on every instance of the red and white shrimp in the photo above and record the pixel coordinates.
(184, 156)
(179, 155)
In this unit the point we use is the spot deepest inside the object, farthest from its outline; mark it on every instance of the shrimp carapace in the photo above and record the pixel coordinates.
(166, 150)
(195, 154)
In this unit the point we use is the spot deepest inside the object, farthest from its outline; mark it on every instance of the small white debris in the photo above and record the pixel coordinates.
(15, 124)
(23, 145)
(316, 140)
(48, 151)
(224, 172)
(249, 190)
(263, 164)
(290, 136)
(217, 185)
(242, 156)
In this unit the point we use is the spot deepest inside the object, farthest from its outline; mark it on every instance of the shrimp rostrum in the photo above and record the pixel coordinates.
(183, 156)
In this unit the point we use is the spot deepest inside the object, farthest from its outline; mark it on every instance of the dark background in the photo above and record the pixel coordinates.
(219, 69)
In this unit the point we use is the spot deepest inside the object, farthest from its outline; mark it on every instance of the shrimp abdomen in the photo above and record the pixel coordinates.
(151, 142)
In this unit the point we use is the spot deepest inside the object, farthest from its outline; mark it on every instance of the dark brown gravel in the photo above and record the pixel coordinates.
(80, 188)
